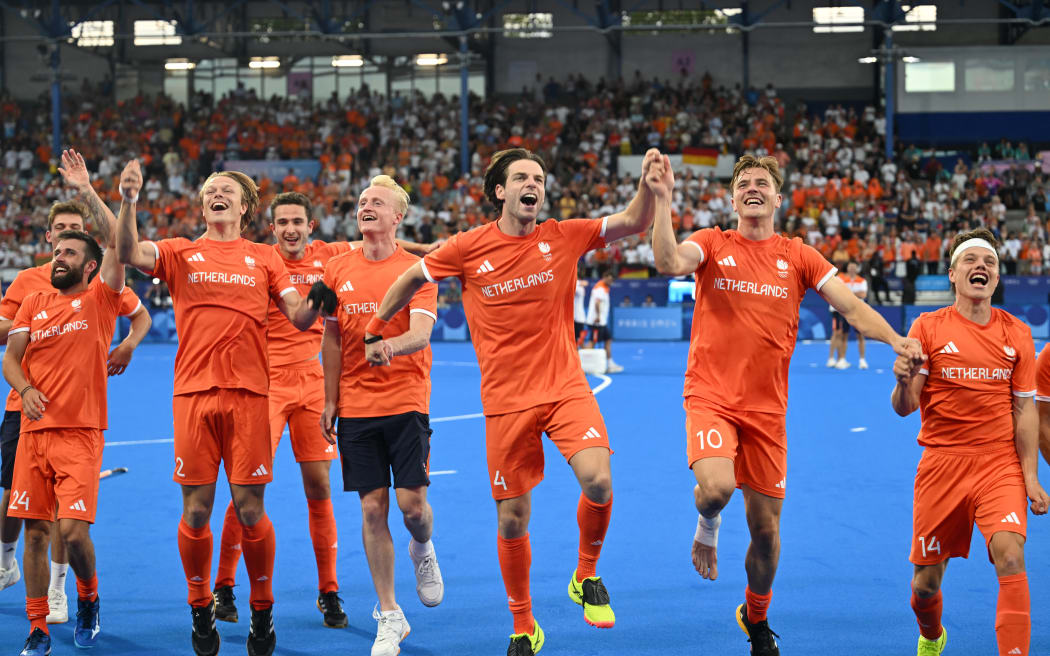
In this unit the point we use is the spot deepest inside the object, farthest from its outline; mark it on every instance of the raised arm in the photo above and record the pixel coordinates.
(671, 258)
(867, 321)
(638, 215)
(130, 250)
(332, 364)
(1026, 441)
(74, 172)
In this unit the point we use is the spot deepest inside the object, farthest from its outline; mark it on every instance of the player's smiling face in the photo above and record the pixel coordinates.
(67, 268)
(223, 200)
(524, 192)
(377, 211)
(975, 274)
(291, 227)
(755, 195)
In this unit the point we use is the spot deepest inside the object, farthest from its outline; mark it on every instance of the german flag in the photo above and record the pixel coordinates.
(700, 156)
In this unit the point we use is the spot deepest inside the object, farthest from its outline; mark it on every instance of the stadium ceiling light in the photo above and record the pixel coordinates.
(431, 59)
(179, 65)
(264, 62)
(908, 59)
(868, 60)
(348, 60)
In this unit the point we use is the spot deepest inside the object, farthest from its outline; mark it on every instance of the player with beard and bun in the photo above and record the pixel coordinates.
(66, 215)
(56, 359)
(519, 278)
(980, 433)
(221, 287)
(749, 285)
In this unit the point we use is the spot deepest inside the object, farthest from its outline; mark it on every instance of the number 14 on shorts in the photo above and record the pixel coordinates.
(929, 545)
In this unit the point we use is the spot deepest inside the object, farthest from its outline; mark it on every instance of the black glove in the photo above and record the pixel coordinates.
(322, 296)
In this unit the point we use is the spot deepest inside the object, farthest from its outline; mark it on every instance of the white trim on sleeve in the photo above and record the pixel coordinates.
(426, 271)
(605, 224)
(698, 247)
(422, 311)
(1043, 399)
(331, 318)
(287, 290)
(827, 277)
(2, 318)
(23, 329)
(135, 311)
(103, 281)
(1025, 395)
(924, 371)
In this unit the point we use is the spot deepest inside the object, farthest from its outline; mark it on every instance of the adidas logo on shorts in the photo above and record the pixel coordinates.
(79, 506)
(1010, 519)
(196, 257)
(1015, 650)
(330, 449)
(591, 434)
(782, 484)
(727, 261)
(486, 267)
(347, 287)
(261, 471)
(40, 315)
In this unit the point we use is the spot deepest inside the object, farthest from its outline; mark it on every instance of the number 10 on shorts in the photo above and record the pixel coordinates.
(929, 546)
(713, 441)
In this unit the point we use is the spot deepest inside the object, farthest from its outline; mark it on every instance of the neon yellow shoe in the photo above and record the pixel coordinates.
(933, 647)
(525, 644)
(592, 595)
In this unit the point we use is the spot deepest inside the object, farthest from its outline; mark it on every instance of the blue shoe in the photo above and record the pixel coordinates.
(37, 644)
(85, 635)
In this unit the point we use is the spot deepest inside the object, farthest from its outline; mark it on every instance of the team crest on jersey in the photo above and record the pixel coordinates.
(545, 248)
(76, 304)
(250, 261)
(782, 268)
(318, 264)
(1010, 353)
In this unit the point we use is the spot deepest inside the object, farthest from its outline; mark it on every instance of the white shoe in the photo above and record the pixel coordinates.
(842, 364)
(391, 630)
(831, 362)
(863, 364)
(57, 606)
(613, 368)
(429, 585)
(10, 576)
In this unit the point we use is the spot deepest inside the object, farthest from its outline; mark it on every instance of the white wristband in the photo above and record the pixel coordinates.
(125, 197)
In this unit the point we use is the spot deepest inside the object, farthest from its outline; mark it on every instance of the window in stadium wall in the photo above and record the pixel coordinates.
(92, 34)
(537, 25)
(832, 19)
(156, 33)
(990, 75)
(926, 14)
(929, 77)
(684, 17)
(1037, 75)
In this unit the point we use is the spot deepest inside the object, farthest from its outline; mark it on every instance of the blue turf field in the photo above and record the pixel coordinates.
(843, 579)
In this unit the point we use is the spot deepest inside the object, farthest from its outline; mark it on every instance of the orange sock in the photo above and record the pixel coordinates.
(36, 611)
(88, 590)
(325, 537)
(928, 614)
(757, 605)
(229, 548)
(195, 549)
(515, 560)
(259, 544)
(1013, 620)
(593, 519)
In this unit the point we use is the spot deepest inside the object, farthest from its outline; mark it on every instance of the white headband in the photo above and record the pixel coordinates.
(971, 243)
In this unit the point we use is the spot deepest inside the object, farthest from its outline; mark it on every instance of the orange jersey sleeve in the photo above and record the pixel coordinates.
(404, 385)
(129, 303)
(66, 357)
(518, 299)
(28, 281)
(973, 373)
(745, 321)
(221, 292)
(1042, 376)
(286, 344)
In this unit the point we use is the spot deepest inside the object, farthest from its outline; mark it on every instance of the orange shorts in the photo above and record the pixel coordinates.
(756, 442)
(954, 488)
(297, 401)
(57, 467)
(222, 424)
(514, 446)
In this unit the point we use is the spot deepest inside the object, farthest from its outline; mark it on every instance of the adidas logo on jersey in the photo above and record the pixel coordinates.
(40, 315)
(79, 505)
(347, 287)
(950, 347)
(1010, 519)
(196, 257)
(727, 261)
(591, 434)
(261, 471)
(486, 267)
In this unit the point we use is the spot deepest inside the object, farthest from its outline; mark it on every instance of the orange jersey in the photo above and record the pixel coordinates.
(1042, 376)
(38, 279)
(65, 360)
(285, 343)
(404, 385)
(518, 297)
(974, 372)
(221, 292)
(746, 317)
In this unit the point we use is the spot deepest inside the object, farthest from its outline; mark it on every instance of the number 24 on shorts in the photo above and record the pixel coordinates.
(929, 546)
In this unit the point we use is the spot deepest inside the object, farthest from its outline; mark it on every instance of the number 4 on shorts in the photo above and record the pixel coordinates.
(499, 480)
